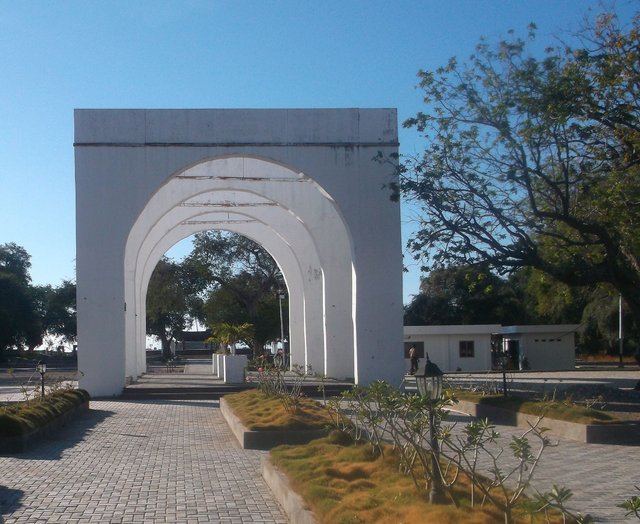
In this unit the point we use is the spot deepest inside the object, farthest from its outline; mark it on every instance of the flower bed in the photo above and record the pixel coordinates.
(261, 422)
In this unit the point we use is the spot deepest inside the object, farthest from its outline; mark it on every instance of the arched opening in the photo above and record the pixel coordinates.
(300, 228)
(213, 281)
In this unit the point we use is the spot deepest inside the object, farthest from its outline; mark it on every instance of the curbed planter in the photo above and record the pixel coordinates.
(291, 502)
(613, 433)
(21, 443)
(233, 368)
(266, 439)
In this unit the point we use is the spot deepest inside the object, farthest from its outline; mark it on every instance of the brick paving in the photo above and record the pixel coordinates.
(129, 462)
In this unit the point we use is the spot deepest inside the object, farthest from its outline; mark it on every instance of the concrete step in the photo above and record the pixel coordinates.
(176, 392)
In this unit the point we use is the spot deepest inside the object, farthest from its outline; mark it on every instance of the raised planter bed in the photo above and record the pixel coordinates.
(30, 433)
(610, 433)
(265, 439)
(292, 503)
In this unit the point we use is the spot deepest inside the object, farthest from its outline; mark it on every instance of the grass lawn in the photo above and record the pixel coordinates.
(343, 482)
(256, 411)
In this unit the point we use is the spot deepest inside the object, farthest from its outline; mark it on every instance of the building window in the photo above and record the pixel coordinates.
(466, 349)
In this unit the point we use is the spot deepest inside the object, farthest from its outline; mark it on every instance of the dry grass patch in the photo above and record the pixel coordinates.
(258, 411)
(553, 409)
(343, 482)
(23, 417)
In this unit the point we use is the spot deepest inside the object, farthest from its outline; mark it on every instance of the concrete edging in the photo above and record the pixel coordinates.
(264, 439)
(292, 503)
(625, 432)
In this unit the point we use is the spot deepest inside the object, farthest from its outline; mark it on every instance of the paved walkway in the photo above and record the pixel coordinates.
(600, 476)
(127, 462)
(176, 461)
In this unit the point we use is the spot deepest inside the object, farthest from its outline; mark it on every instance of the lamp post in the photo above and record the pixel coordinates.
(620, 334)
(280, 299)
(429, 383)
(42, 369)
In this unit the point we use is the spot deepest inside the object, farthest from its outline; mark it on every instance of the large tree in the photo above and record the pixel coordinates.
(465, 295)
(533, 162)
(20, 322)
(59, 316)
(243, 279)
(167, 302)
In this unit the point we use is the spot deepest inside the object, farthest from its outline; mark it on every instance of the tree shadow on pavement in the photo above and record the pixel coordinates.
(66, 437)
(9, 501)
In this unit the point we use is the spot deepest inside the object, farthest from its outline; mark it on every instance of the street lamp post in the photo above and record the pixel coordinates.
(280, 299)
(429, 383)
(620, 333)
(42, 369)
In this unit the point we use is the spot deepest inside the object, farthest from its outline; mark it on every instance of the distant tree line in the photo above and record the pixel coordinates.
(29, 312)
(226, 279)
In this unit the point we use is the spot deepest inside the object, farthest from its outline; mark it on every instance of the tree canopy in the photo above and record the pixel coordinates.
(533, 162)
(464, 295)
(28, 312)
(243, 279)
(167, 301)
(226, 279)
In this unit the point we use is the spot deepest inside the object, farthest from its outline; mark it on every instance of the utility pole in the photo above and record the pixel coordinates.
(620, 334)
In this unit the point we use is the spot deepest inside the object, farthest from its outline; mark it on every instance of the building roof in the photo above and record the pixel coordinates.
(543, 328)
(469, 329)
(487, 329)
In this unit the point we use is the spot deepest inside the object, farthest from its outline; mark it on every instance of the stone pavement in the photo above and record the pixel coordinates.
(128, 462)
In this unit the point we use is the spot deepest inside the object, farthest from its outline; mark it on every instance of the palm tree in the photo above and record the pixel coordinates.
(229, 334)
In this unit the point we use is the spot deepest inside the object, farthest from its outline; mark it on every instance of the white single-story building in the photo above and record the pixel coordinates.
(475, 347)
(453, 348)
(544, 348)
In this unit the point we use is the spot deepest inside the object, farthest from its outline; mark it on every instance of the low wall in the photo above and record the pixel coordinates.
(613, 433)
(291, 502)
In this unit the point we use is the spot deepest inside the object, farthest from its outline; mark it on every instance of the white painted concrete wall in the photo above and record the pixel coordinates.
(442, 344)
(547, 347)
(128, 164)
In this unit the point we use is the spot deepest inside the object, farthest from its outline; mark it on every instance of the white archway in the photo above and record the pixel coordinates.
(301, 183)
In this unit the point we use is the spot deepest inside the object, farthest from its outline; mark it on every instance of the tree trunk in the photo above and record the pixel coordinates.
(166, 350)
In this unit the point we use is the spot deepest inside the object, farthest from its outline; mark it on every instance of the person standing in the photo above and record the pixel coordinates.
(413, 356)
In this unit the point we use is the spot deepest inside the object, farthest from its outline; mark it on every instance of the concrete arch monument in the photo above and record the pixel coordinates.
(302, 183)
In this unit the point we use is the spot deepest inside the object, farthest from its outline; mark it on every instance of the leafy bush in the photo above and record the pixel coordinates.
(271, 381)
(436, 458)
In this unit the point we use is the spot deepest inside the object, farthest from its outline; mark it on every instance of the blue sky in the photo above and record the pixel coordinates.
(57, 56)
